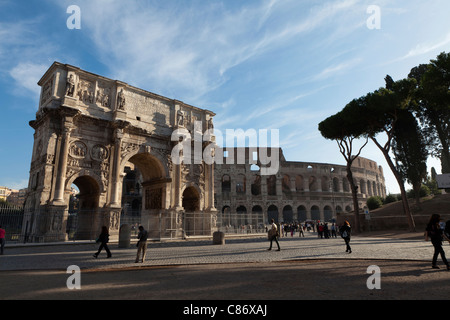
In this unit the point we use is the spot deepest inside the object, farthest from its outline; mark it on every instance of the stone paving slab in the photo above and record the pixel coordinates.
(250, 250)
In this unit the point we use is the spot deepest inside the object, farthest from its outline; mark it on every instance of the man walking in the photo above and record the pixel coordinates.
(142, 244)
(273, 235)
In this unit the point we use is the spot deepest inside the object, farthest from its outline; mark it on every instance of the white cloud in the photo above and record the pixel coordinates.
(424, 48)
(26, 76)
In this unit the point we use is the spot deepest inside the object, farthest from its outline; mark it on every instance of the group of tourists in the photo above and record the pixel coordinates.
(323, 231)
(436, 231)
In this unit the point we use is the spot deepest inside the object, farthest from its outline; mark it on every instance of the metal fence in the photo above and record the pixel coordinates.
(80, 224)
(11, 218)
(239, 223)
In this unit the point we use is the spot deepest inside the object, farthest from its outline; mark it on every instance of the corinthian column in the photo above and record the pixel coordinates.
(58, 198)
(115, 198)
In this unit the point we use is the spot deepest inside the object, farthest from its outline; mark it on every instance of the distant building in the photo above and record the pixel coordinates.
(17, 197)
(298, 192)
(4, 193)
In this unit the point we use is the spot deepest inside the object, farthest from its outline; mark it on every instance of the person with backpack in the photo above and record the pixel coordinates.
(345, 231)
(436, 234)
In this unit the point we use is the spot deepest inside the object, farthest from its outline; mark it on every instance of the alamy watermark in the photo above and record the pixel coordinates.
(198, 147)
(374, 281)
(74, 20)
(374, 21)
(74, 280)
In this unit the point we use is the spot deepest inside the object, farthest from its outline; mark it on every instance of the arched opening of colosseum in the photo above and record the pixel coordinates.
(257, 217)
(241, 216)
(286, 184)
(240, 184)
(272, 213)
(299, 183)
(327, 213)
(325, 184)
(272, 185)
(288, 214)
(226, 183)
(256, 185)
(315, 213)
(335, 185)
(313, 186)
(301, 213)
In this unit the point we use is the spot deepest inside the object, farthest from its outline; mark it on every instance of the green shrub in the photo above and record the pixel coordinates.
(374, 202)
(390, 198)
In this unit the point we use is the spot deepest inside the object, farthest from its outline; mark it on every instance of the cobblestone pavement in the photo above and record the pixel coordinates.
(244, 250)
(305, 269)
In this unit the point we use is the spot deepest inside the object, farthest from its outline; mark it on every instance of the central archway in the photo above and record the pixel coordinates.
(153, 191)
(86, 216)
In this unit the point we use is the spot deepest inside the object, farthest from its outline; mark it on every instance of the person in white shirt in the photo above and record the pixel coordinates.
(273, 236)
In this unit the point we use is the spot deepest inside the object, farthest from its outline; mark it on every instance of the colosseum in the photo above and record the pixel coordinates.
(299, 192)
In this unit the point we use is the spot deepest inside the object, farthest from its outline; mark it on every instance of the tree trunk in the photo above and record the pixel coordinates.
(406, 209)
(354, 188)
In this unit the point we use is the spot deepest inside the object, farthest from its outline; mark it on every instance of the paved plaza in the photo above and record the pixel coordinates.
(305, 268)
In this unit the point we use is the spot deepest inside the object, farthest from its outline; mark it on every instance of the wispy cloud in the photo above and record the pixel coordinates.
(424, 48)
(188, 51)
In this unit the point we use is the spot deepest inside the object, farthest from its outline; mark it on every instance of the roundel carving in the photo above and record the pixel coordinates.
(78, 150)
(99, 153)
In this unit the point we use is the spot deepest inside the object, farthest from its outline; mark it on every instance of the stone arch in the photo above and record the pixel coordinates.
(191, 199)
(226, 183)
(325, 183)
(272, 185)
(315, 212)
(272, 213)
(88, 218)
(327, 213)
(301, 213)
(241, 215)
(299, 183)
(256, 185)
(150, 166)
(288, 214)
(86, 173)
(336, 184)
(313, 185)
(240, 184)
(286, 184)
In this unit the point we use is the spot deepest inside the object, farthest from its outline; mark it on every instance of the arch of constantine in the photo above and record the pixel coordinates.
(88, 128)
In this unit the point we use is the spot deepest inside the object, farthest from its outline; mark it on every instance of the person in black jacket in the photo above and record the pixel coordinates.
(345, 232)
(436, 234)
(142, 244)
(103, 239)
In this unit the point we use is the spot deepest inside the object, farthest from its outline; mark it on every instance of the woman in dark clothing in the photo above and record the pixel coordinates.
(103, 238)
(435, 233)
(345, 231)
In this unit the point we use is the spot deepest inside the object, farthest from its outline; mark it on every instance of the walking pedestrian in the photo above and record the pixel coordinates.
(436, 234)
(103, 239)
(345, 232)
(142, 244)
(273, 234)
(2, 239)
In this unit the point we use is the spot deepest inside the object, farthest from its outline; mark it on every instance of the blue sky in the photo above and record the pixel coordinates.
(258, 64)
